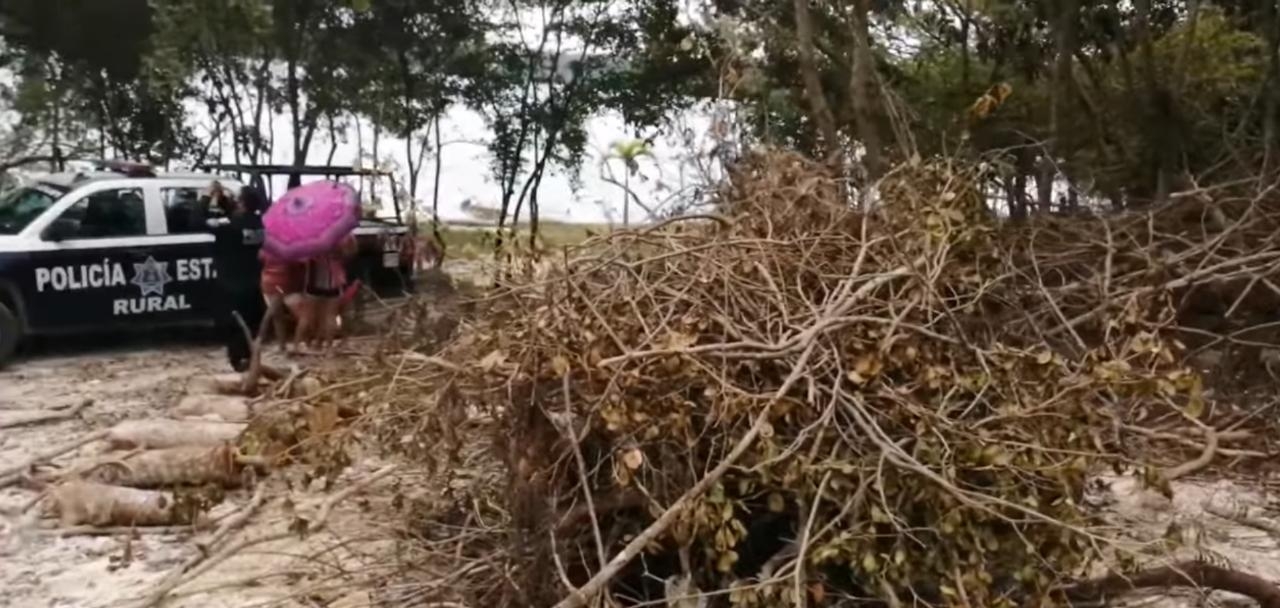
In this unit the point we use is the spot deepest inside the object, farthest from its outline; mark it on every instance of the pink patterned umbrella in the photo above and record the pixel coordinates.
(310, 220)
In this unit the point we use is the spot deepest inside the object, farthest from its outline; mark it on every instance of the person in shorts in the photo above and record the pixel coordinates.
(324, 280)
(281, 284)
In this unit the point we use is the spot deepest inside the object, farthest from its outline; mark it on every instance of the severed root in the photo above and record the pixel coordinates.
(187, 465)
(172, 433)
(1186, 574)
(81, 502)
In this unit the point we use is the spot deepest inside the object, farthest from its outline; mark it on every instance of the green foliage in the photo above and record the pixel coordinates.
(1122, 97)
(90, 63)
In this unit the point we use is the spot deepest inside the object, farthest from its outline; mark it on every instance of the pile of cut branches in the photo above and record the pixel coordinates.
(795, 403)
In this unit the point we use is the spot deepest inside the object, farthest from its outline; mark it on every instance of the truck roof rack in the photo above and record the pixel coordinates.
(257, 173)
(327, 170)
(124, 167)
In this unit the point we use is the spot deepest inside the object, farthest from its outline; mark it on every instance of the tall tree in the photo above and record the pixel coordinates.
(414, 57)
(93, 59)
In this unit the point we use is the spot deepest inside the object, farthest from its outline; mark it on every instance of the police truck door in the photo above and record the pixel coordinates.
(102, 263)
(188, 244)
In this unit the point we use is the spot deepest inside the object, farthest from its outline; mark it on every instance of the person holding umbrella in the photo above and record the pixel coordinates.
(235, 258)
(313, 224)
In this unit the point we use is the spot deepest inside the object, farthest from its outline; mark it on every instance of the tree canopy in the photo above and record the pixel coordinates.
(1068, 101)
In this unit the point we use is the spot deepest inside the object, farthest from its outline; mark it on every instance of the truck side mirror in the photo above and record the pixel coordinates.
(59, 230)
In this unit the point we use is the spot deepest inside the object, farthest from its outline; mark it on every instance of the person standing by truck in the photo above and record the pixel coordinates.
(281, 286)
(324, 281)
(235, 257)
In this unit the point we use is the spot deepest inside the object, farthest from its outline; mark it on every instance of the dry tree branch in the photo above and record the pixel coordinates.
(198, 565)
(176, 576)
(249, 384)
(972, 378)
(1201, 461)
(10, 475)
(581, 596)
(15, 419)
(1187, 574)
(1223, 436)
(571, 435)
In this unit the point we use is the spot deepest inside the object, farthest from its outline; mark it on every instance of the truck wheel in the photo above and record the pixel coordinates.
(10, 333)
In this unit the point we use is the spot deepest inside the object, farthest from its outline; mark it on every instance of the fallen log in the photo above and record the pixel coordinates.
(225, 407)
(82, 502)
(186, 465)
(164, 433)
(216, 384)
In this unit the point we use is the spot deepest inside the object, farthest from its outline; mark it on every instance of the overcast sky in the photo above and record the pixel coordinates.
(466, 171)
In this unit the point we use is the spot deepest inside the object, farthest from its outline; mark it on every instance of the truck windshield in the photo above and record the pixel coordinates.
(21, 206)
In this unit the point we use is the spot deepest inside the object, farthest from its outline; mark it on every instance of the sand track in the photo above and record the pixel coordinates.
(41, 568)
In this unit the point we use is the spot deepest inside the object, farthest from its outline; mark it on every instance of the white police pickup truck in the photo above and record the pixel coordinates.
(105, 251)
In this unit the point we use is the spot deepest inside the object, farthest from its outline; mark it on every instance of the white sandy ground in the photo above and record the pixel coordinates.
(39, 569)
(1145, 514)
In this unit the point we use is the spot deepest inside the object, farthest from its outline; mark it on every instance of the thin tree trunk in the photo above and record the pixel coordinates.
(333, 141)
(294, 93)
(1023, 166)
(510, 167)
(1271, 94)
(1158, 106)
(56, 145)
(359, 149)
(435, 194)
(1011, 198)
(818, 106)
(534, 217)
(261, 82)
(407, 89)
(435, 181)
(1193, 23)
(626, 198)
(413, 168)
(1045, 174)
(966, 25)
(861, 84)
(1068, 12)
(359, 139)
(377, 137)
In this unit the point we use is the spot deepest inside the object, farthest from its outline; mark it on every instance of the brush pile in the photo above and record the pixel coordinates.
(795, 403)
